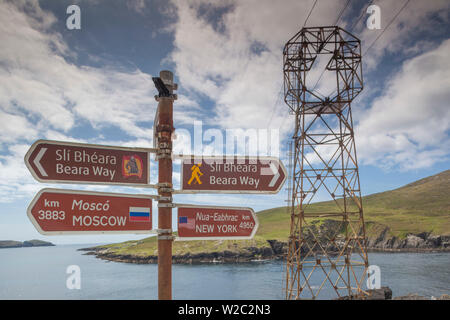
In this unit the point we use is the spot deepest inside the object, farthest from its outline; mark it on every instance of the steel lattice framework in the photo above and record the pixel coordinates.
(327, 244)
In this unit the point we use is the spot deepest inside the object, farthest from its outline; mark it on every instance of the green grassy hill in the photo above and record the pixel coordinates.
(417, 207)
(422, 206)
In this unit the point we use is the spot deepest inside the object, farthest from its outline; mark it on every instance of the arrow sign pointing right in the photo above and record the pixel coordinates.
(275, 173)
(221, 174)
(213, 223)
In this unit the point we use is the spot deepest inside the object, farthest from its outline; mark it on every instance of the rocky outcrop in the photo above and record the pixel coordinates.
(380, 241)
(37, 243)
(421, 242)
(10, 244)
(19, 244)
(250, 254)
(384, 293)
(415, 296)
(279, 248)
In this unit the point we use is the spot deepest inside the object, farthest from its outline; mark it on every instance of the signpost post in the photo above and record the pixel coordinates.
(56, 211)
(213, 223)
(66, 162)
(221, 174)
(163, 136)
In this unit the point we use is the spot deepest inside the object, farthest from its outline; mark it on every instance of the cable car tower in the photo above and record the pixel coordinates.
(327, 243)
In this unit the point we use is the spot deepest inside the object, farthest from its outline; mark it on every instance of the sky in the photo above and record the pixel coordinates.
(94, 85)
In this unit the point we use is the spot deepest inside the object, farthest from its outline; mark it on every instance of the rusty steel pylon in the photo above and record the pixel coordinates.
(327, 244)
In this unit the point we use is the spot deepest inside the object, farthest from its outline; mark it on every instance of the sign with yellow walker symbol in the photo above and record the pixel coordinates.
(196, 174)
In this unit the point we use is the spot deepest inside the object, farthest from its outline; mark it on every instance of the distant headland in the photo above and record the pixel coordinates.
(19, 244)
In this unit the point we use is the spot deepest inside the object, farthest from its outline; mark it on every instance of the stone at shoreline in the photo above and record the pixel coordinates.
(411, 296)
(384, 293)
(415, 296)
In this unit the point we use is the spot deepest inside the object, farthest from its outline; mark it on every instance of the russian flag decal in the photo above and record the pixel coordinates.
(139, 214)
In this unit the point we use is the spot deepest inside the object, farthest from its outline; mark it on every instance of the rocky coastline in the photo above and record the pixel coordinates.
(250, 254)
(420, 243)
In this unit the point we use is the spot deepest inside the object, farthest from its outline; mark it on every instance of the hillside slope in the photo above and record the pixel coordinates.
(419, 207)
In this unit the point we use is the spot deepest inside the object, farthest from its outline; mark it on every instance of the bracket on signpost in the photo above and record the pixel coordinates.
(165, 234)
(163, 231)
(165, 187)
(167, 237)
(166, 205)
(164, 198)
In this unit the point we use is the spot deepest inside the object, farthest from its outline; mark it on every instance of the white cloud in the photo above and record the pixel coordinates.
(231, 52)
(15, 127)
(236, 60)
(408, 126)
(44, 95)
(415, 18)
(38, 82)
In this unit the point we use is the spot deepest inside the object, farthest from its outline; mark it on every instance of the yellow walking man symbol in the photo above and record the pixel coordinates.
(196, 173)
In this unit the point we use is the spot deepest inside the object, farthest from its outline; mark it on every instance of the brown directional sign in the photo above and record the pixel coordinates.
(65, 162)
(212, 223)
(232, 174)
(57, 211)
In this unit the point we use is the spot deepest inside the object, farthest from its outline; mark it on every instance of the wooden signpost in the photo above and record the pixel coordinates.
(55, 211)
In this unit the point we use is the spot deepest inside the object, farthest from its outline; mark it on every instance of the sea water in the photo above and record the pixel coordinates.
(41, 273)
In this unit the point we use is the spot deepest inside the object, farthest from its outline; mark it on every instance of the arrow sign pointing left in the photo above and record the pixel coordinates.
(37, 162)
(66, 162)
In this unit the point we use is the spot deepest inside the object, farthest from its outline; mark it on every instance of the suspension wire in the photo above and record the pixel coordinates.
(342, 11)
(310, 11)
(379, 36)
(281, 88)
(392, 20)
(361, 16)
(276, 103)
(337, 20)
